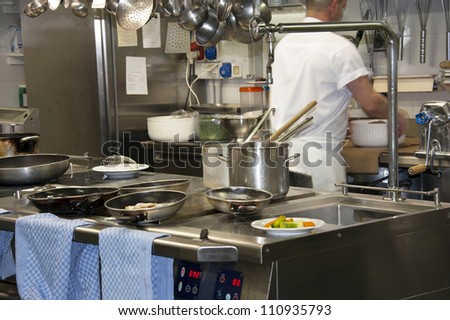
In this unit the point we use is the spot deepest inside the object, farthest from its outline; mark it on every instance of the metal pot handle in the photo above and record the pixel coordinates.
(223, 158)
(294, 156)
(243, 209)
(29, 138)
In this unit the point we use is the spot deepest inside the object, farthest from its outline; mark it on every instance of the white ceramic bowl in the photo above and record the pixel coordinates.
(168, 128)
(371, 133)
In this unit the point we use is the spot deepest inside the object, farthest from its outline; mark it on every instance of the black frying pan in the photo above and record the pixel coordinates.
(72, 199)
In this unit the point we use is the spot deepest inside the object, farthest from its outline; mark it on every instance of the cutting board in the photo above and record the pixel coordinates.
(366, 160)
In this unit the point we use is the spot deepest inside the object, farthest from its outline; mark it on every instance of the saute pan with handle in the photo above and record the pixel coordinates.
(32, 168)
(72, 199)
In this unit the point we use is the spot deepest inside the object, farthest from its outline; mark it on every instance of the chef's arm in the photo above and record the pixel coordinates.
(374, 104)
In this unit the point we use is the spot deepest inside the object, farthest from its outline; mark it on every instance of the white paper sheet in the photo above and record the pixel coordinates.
(136, 76)
(126, 38)
(151, 33)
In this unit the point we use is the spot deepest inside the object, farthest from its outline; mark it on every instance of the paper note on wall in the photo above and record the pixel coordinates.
(126, 38)
(151, 33)
(136, 75)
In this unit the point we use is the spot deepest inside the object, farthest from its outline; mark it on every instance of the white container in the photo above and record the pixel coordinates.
(215, 170)
(251, 98)
(371, 133)
(169, 128)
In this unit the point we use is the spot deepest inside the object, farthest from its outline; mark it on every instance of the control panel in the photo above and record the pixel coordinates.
(187, 281)
(228, 285)
(207, 281)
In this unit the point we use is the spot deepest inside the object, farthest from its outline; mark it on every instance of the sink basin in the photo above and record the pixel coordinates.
(344, 211)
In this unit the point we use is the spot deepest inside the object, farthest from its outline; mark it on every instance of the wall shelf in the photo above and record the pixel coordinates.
(14, 58)
(413, 83)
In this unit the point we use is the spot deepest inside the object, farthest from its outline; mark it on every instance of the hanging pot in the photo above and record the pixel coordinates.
(12, 144)
(261, 165)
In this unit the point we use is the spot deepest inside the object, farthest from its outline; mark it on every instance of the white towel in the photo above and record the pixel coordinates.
(50, 265)
(129, 270)
(7, 264)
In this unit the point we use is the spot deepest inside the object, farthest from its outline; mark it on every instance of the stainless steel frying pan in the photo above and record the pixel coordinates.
(33, 168)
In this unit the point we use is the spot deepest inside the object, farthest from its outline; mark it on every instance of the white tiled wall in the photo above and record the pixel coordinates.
(11, 76)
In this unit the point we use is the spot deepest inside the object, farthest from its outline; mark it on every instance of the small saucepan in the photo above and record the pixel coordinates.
(240, 201)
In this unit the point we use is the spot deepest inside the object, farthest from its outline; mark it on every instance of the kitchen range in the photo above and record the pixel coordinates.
(219, 229)
(367, 248)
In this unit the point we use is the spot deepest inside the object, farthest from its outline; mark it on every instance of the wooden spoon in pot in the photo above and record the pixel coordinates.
(291, 121)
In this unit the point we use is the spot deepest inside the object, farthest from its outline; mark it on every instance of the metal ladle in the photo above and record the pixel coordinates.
(36, 8)
(79, 8)
(192, 19)
(111, 6)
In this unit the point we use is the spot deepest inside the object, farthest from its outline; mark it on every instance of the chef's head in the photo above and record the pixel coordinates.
(328, 10)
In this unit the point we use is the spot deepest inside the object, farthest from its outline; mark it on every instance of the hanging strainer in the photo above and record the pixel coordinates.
(119, 161)
(134, 14)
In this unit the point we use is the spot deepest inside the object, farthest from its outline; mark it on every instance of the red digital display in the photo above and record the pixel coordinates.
(195, 274)
(236, 282)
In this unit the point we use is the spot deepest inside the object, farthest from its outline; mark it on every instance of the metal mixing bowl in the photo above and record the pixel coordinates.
(239, 126)
(240, 201)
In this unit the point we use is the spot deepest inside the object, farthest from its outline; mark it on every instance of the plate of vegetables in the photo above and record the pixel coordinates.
(283, 225)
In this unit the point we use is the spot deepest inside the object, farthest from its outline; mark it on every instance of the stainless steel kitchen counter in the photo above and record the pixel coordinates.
(369, 248)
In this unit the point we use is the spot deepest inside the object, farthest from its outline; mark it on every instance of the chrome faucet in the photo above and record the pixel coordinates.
(392, 50)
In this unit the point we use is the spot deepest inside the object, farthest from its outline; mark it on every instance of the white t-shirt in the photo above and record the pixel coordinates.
(315, 66)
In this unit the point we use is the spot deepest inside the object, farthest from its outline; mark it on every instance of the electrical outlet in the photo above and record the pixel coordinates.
(207, 70)
(236, 70)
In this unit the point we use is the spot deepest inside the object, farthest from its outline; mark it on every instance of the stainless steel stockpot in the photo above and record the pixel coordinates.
(261, 165)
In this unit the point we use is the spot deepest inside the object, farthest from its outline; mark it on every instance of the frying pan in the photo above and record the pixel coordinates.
(32, 168)
(240, 201)
(167, 203)
(72, 199)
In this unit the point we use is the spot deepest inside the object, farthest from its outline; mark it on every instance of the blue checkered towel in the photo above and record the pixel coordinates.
(129, 270)
(50, 265)
(7, 264)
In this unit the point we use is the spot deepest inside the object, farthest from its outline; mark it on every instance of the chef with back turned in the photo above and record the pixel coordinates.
(327, 68)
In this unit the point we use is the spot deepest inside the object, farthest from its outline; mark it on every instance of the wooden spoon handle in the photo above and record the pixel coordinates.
(444, 64)
(291, 121)
(417, 169)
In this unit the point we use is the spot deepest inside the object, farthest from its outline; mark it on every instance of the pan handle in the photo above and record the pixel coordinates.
(223, 158)
(29, 138)
(244, 209)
